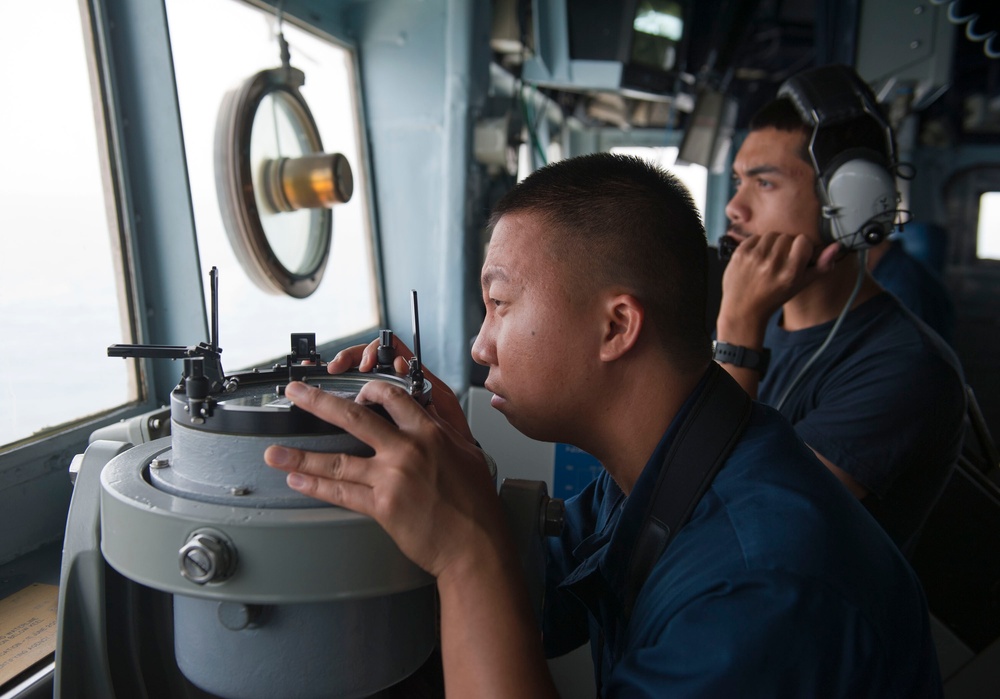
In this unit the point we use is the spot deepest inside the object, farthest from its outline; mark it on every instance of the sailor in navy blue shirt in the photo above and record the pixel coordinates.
(885, 404)
(780, 585)
(882, 405)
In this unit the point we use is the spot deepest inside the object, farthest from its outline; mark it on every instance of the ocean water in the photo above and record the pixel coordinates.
(55, 366)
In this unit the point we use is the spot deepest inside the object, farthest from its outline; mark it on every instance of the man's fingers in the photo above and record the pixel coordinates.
(401, 365)
(801, 251)
(353, 496)
(404, 411)
(356, 356)
(338, 466)
(766, 243)
(828, 257)
(365, 357)
(352, 417)
(767, 247)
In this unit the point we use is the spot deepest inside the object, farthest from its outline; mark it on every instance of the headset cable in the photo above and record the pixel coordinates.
(862, 264)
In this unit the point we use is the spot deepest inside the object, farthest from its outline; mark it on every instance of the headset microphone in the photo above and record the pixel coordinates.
(852, 152)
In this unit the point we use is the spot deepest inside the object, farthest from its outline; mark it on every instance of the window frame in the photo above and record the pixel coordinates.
(963, 192)
(32, 499)
(27, 467)
(148, 198)
(363, 181)
(995, 190)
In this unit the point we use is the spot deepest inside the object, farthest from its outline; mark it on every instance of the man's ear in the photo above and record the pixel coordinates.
(623, 318)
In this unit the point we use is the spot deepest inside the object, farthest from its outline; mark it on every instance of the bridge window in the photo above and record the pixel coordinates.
(217, 45)
(694, 177)
(60, 270)
(988, 233)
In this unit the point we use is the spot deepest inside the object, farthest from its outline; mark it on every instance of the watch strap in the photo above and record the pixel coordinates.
(740, 356)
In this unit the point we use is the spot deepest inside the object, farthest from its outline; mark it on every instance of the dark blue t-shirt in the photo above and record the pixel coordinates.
(884, 402)
(918, 288)
(779, 585)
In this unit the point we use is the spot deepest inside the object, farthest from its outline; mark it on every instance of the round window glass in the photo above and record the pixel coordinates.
(279, 131)
(276, 186)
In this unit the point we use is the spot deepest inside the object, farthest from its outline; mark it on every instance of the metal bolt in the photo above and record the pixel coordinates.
(918, 10)
(237, 616)
(159, 462)
(198, 565)
(915, 44)
(240, 490)
(206, 558)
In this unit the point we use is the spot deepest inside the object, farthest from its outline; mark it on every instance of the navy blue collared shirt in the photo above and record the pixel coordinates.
(781, 584)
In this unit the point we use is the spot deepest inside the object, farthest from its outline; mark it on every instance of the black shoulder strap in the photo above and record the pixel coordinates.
(703, 443)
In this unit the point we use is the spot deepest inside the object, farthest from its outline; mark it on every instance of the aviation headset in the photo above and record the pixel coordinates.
(854, 179)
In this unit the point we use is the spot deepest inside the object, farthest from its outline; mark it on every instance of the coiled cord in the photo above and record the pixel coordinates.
(969, 20)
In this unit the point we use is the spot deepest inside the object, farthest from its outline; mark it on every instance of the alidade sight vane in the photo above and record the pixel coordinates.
(209, 351)
(214, 284)
(416, 373)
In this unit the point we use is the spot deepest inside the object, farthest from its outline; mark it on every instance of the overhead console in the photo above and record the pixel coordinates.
(634, 48)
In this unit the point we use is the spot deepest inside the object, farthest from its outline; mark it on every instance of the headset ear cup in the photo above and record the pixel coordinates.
(826, 230)
(860, 203)
(851, 148)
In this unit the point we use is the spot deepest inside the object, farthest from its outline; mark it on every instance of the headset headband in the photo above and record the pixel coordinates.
(830, 96)
(852, 152)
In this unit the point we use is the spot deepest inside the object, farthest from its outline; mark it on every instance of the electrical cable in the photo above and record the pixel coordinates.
(862, 266)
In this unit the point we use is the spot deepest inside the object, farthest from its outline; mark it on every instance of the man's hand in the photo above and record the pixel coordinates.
(430, 488)
(427, 485)
(764, 272)
(365, 357)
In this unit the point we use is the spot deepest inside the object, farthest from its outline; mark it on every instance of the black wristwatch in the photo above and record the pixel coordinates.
(742, 356)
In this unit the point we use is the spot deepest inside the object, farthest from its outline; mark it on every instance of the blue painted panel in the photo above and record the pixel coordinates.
(157, 206)
(574, 470)
(416, 72)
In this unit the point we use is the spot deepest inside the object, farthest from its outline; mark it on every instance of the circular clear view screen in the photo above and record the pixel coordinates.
(279, 131)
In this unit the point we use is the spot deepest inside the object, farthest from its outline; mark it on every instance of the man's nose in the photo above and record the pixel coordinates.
(736, 209)
(481, 348)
